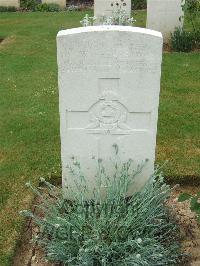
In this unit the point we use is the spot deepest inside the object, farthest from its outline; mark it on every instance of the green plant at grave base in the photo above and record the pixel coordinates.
(73, 8)
(192, 12)
(108, 230)
(194, 202)
(36, 5)
(185, 41)
(139, 4)
(29, 4)
(8, 9)
(119, 17)
(48, 7)
(88, 21)
(182, 41)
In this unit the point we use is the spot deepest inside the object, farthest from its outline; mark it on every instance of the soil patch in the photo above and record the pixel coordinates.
(190, 229)
(167, 48)
(29, 254)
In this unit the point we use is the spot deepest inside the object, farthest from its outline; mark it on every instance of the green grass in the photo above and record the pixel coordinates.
(29, 120)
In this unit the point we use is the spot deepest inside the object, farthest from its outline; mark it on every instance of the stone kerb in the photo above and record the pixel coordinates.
(15, 3)
(164, 16)
(109, 83)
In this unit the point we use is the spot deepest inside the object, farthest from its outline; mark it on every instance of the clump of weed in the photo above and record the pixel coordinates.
(112, 229)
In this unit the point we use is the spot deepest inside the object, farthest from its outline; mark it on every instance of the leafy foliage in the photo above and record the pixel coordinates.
(8, 9)
(118, 17)
(29, 4)
(182, 41)
(184, 197)
(139, 4)
(192, 11)
(36, 5)
(108, 230)
(73, 8)
(87, 21)
(194, 202)
(48, 7)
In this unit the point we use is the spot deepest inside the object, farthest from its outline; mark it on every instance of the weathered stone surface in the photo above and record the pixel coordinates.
(164, 16)
(61, 3)
(109, 83)
(106, 7)
(15, 3)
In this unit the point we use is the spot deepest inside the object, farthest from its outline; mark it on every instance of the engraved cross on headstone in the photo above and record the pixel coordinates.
(108, 115)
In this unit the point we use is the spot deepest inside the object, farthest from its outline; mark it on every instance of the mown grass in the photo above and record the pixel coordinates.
(29, 121)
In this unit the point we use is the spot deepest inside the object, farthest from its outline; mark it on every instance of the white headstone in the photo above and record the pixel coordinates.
(109, 83)
(164, 16)
(61, 3)
(15, 3)
(107, 7)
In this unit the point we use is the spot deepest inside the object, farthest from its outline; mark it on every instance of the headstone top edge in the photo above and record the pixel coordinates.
(104, 28)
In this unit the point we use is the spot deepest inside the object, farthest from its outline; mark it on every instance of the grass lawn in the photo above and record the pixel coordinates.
(29, 119)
